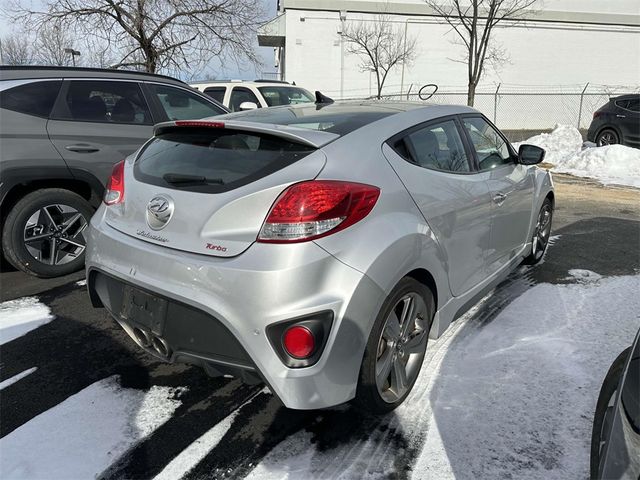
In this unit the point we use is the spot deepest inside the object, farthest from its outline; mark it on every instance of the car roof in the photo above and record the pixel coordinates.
(628, 96)
(341, 117)
(36, 71)
(256, 83)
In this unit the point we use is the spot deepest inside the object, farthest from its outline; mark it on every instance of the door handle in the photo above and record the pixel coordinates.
(82, 148)
(499, 197)
(621, 116)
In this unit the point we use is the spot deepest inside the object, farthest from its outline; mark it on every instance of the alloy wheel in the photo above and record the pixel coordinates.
(54, 234)
(542, 231)
(607, 138)
(401, 347)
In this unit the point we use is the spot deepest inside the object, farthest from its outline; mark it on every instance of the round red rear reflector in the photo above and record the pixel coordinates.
(298, 341)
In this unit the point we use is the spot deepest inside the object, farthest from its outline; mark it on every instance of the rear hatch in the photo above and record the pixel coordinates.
(207, 187)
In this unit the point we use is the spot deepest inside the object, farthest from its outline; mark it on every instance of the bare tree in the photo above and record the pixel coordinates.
(51, 41)
(16, 50)
(381, 45)
(474, 22)
(157, 34)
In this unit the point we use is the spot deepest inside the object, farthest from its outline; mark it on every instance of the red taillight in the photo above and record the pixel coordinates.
(313, 209)
(199, 123)
(298, 341)
(115, 186)
(596, 114)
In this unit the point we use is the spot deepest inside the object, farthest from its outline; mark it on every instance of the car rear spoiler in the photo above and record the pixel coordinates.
(304, 136)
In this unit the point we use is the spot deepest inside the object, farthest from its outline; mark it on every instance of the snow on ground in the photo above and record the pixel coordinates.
(82, 436)
(194, 453)
(613, 164)
(510, 396)
(18, 317)
(15, 378)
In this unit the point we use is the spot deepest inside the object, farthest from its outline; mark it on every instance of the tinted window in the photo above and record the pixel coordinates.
(490, 147)
(437, 147)
(622, 103)
(217, 93)
(181, 104)
(105, 101)
(240, 95)
(213, 160)
(634, 105)
(275, 96)
(35, 98)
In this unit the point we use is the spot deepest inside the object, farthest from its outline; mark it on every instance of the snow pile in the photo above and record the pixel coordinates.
(561, 144)
(82, 436)
(19, 317)
(613, 164)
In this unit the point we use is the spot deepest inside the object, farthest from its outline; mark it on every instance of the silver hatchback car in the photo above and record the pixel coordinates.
(315, 248)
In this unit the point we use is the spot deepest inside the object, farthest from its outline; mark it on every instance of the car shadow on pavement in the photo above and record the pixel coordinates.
(515, 399)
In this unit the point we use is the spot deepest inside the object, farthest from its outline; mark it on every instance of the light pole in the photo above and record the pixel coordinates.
(73, 54)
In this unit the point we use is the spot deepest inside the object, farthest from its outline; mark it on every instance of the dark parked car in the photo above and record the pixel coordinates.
(615, 442)
(617, 122)
(61, 131)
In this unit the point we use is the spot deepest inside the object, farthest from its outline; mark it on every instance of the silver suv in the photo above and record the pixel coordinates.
(61, 131)
(315, 247)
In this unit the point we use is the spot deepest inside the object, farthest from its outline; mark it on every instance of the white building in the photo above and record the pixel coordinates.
(564, 44)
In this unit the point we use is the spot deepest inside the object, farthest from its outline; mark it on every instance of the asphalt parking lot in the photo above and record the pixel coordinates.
(596, 229)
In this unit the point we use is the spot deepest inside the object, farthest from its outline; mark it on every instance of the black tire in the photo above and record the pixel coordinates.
(608, 136)
(368, 398)
(603, 410)
(62, 206)
(540, 240)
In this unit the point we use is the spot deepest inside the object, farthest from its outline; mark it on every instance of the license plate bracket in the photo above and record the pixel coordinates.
(143, 309)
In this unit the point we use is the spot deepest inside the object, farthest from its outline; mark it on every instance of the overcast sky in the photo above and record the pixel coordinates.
(231, 70)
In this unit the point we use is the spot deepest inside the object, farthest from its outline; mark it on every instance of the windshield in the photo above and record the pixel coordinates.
(285, 95)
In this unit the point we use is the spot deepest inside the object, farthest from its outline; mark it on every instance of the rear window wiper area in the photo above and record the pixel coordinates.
(178, 179)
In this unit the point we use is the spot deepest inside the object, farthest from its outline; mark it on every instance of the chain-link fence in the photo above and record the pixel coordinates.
(524, 111)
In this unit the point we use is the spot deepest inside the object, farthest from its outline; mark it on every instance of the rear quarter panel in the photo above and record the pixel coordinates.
(394, 238)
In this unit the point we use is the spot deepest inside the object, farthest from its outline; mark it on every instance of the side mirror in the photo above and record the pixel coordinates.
(530, 155)
(248, 106)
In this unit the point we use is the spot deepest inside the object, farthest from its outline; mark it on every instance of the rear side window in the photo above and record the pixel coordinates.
(35, 98)
(217, 93)
(105, 102)
(436, 147)
(213, 160)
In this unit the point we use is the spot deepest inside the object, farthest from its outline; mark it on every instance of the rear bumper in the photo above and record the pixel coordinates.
(219, 308)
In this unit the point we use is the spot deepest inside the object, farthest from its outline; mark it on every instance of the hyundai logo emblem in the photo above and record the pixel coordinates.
(159, 211)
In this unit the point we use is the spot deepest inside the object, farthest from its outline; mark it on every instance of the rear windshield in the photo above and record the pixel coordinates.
(213, 160)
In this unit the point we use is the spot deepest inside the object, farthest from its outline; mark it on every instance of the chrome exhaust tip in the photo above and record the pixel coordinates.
(161, 347)
(142, 337)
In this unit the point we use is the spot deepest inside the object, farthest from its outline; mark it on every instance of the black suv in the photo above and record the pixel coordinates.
(61, 131)
(617, 122)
